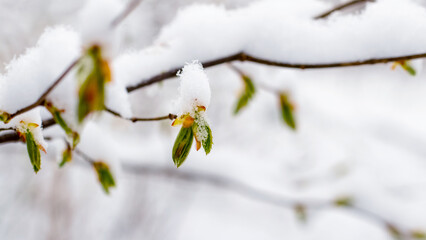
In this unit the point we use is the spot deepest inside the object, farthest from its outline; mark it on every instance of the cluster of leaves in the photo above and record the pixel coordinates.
(192, 127)
(248, 92)
(406, 66)
(93, 74)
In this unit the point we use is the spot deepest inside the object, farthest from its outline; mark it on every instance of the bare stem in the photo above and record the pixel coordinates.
(232, 185)
(341, 7)
(132, 6)
(170, 116)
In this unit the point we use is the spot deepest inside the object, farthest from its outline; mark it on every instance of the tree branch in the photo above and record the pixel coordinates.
(14, 137)
(42, 98)
(135, 119)
(245, 57)
(341, 7)
(132, 6)
(247, 191)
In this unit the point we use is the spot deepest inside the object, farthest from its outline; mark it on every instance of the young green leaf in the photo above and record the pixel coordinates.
(247, 94)
(203, 134)
(33, 151)
(56, 113)
(343, 201)
(300, 211)
(287, 111)
(394, 231)
(4, 117)
(406, 66)
(208, 142)
(104, 175)
(182, 145)
(418, 234)
(93, 73)
(66, 156)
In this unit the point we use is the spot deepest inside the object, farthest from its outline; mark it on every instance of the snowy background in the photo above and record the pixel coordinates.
(361, 131)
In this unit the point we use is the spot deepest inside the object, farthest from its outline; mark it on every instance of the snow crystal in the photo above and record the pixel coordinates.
(201, 121)
(194, 88)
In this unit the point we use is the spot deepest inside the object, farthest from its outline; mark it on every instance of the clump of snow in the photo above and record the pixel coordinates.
(28, 76)
(194, 88)
(31, 121)
(117, 97)
(95, 25)
(98, 144)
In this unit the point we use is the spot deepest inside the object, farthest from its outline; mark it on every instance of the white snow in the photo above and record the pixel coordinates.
(21, 124)
(29, 75)
(361, 130)
(281, 31)
(194, 88)
(95, 25)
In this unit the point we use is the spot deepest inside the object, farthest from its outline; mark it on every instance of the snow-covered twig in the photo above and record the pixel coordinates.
(243, 57)
(42, 98)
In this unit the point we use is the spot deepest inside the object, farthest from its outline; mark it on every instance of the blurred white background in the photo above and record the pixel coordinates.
(361, 134)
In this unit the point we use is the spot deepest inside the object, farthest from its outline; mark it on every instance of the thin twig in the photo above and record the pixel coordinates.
(6, 129)
(261, 86)
(42, 98)
(135, 119)
(84, 156)
(200, 177)
(132, 6)
(245, 57)
(341, 7)
(14, 137)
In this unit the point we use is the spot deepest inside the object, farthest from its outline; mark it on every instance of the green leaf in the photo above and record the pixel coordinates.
(208, 142)
(104, 175)
(343, 202)
(300, 211)
(33, 151)
(202, 128)
(56, 113)
(66, 156)
(394, 231)
(93, 73)
(182, 145)
(4, 117)
(407, 67)
(287, 111)
(418, 234)
(247, 94)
